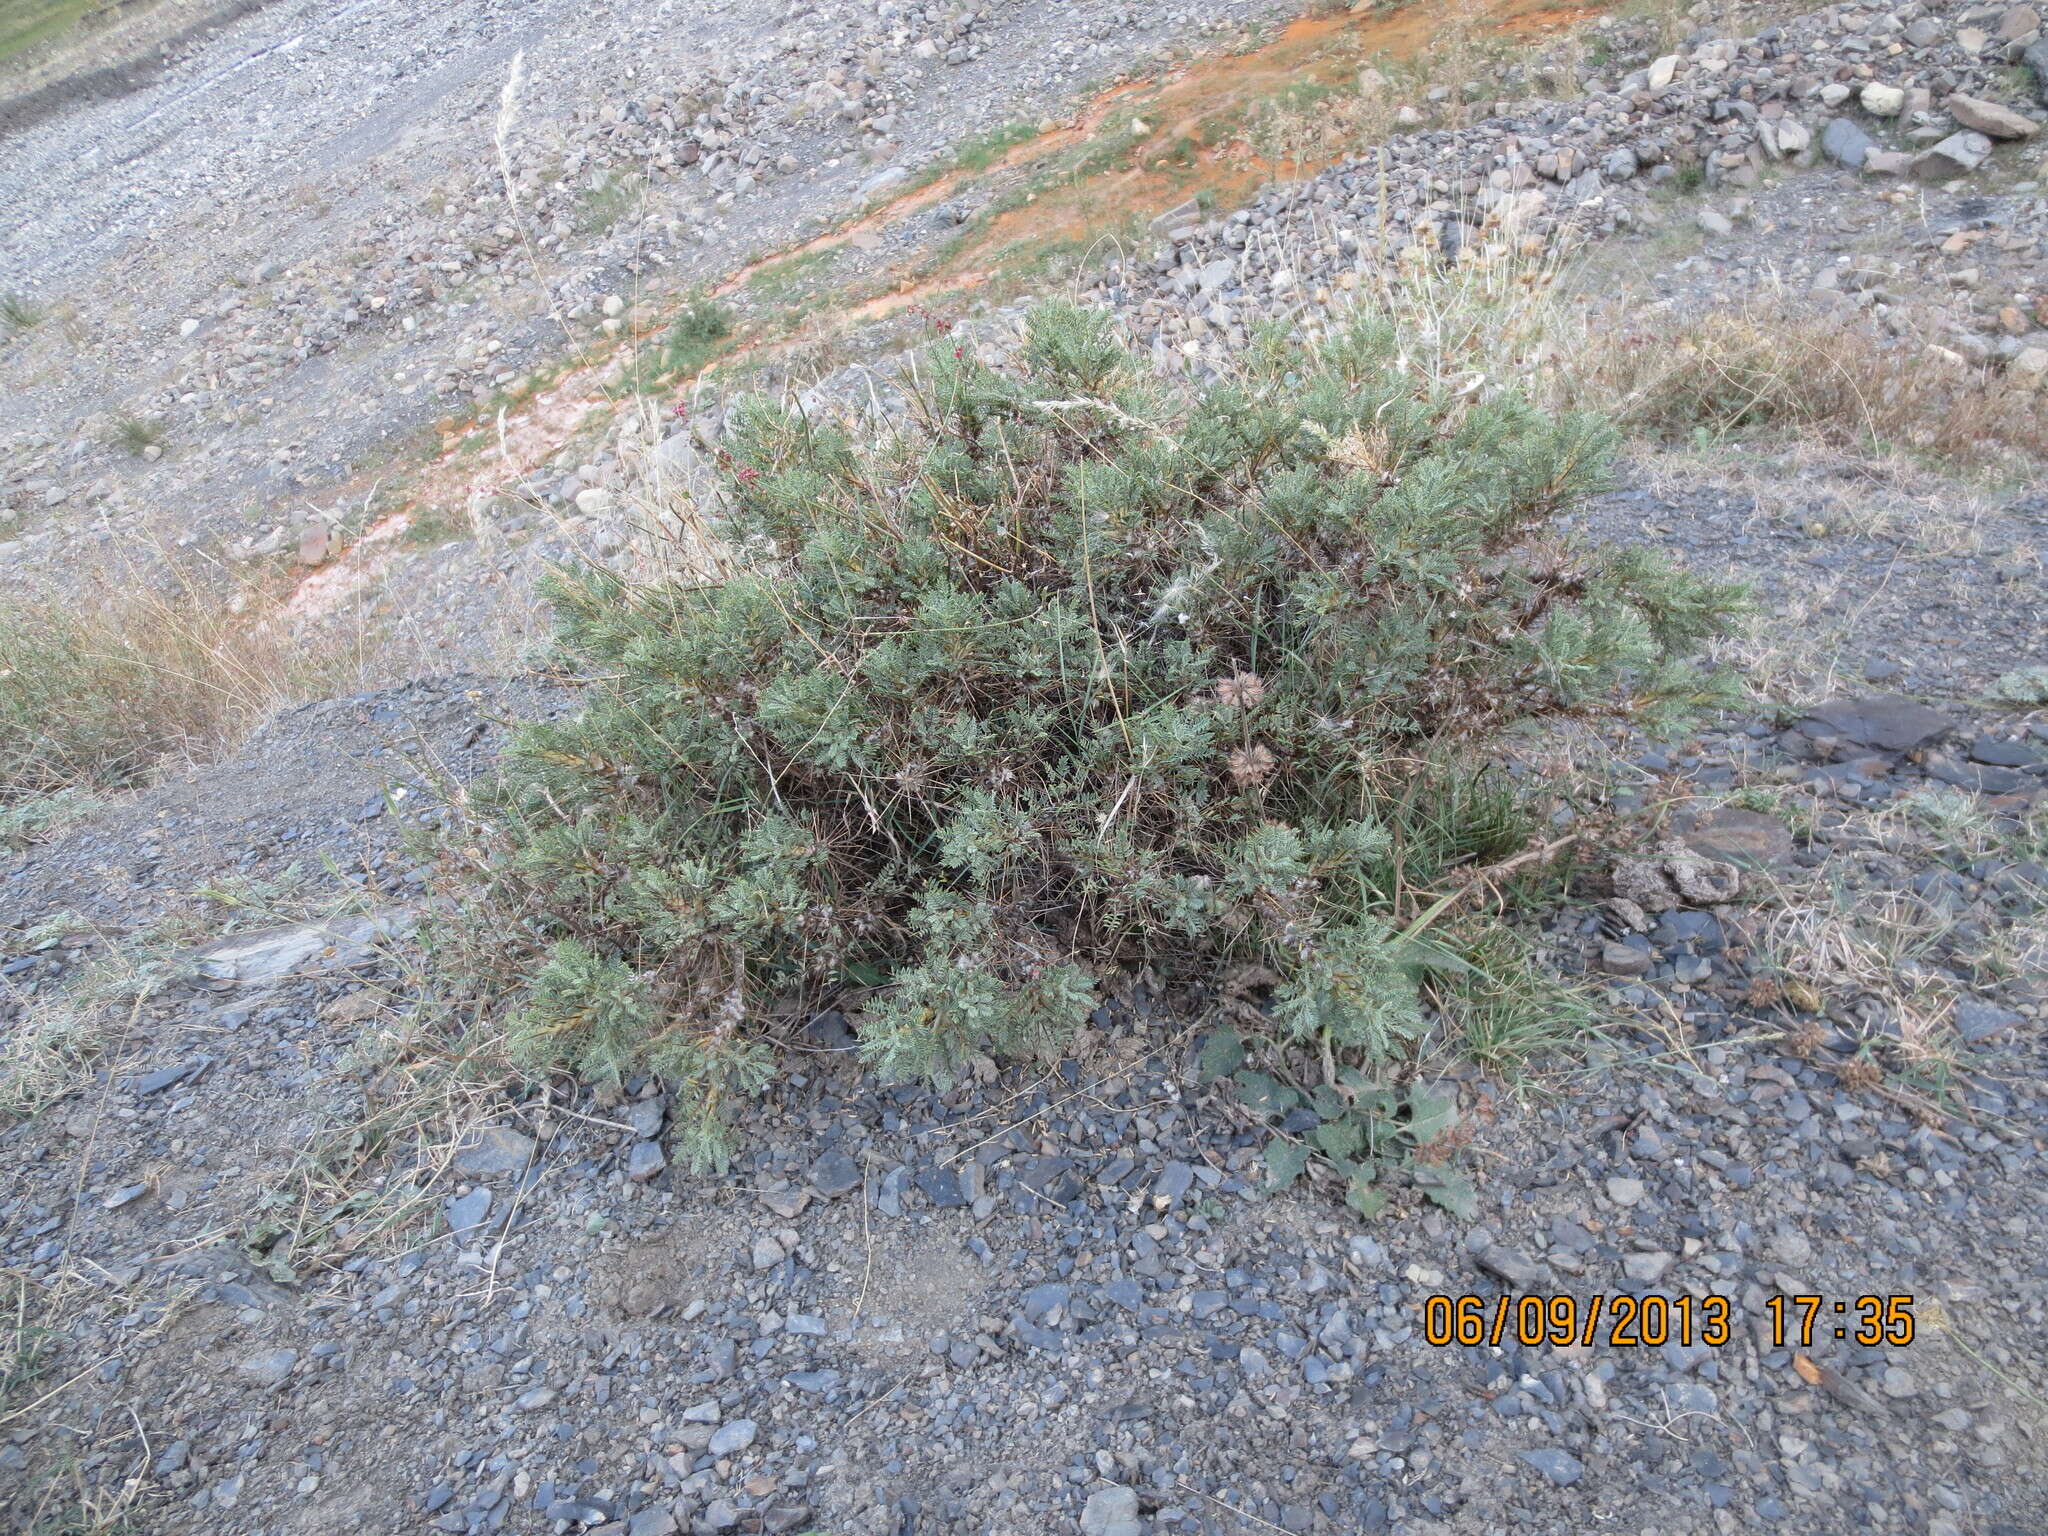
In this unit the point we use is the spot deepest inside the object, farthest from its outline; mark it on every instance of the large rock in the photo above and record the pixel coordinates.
(1887, 721)
(1845, 143)
(1991, 119)
(300, 949)
(1957, 155)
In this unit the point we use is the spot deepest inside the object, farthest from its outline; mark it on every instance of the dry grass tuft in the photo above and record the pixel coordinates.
(169, 659)
(1503, 315)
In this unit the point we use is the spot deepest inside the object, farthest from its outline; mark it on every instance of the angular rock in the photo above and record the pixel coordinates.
(1991, 119)
(1618, 959)
(467, 1212)
(1881, 100)
(1887, 721)
(299, 949)
(1561, 1467)
(1846, 144)
(493, 1151)
(1111, 1511)
(270, 1368)
(834, 1174)
(1977, 1021)
(1957, 155)
(1189, 212)
(2028, 367)
(2036, 59)
(1516, 1268)
(731, 1438)
(883, 183)
(645, 1161)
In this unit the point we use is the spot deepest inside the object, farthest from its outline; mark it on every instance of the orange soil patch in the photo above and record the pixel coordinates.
(1159, 169)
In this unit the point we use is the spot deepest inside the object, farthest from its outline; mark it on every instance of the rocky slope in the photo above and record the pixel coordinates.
(295, 1277)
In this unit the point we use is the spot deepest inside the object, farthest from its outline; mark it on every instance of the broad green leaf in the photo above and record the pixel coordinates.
(1327, 1102)
(1339, 1138)
(1360, 1195)
(1432, 1112)
(1449, 1189)
(1222, 1054)
(1261, 1093)
(1285, 1161)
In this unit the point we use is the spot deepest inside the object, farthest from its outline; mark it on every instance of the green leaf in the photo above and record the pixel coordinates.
(1432, 1112)
(1328, 1103)
(1339, 1138)
(1449, 1189)
(1285, 1161)
(1261, 1093)
(1222, 1054)
(1361, 1196)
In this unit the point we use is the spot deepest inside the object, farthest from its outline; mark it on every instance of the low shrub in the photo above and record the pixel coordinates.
(1066, 675)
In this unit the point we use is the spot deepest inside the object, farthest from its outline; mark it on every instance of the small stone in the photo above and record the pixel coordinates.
(1626, 1192)
(1715, 223)
(1111, 1511)
(1977, 1021)
(1900, 1382)
(645, 1161)
(494, 1150)
(834, 1174)
(1561, 1467)
(1846, 144)
(270, 1369)
(767, 1253)
(1618, 959)
(1881, 100)
(467, 1212)
(1662, 70)
(732, 1438)
(188, 327)
(1517, 1269)
(614, 306)
(1647, 1268)
(593, 499)
(2028, 367)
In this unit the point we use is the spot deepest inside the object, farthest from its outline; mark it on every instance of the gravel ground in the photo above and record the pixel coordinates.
(1060, 1299)
(1064, 1299)
(291, 249)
